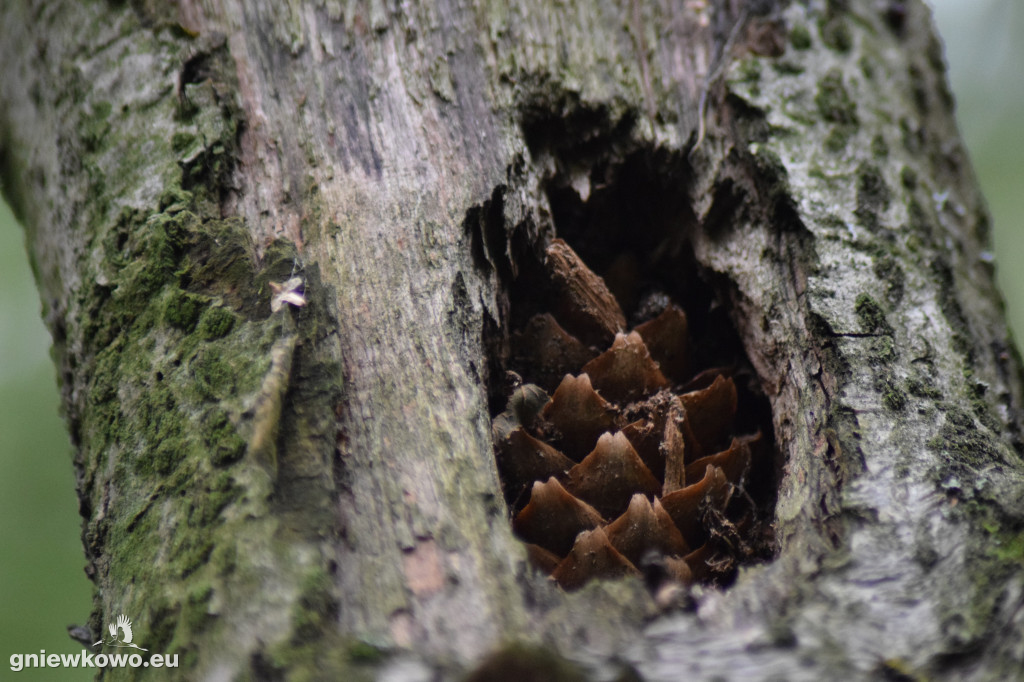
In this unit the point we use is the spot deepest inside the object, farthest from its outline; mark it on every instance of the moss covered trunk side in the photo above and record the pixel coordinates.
(303, 486)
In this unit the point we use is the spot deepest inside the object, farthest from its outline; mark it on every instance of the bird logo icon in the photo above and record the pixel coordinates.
(124, 626)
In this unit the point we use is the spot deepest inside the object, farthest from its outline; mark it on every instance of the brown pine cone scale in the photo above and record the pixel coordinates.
(631, 454)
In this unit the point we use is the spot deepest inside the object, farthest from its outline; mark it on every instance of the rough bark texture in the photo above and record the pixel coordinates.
(312, 493)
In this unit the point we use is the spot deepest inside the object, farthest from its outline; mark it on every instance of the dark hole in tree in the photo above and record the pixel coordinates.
(628, 226)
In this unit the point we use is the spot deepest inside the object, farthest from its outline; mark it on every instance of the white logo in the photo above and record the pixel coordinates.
(120, 636)
(125, 627)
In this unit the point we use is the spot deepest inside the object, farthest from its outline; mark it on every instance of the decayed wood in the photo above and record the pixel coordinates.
(170, 162)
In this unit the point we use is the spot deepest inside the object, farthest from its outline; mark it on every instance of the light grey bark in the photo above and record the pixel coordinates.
(312, 492)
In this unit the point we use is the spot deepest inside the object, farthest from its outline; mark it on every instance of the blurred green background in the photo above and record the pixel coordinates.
(985, 54)
(42, 585)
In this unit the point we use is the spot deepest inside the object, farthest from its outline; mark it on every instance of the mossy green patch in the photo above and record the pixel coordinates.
(144, 256)
(949, 303)
(218, 495)
(164, 457)
(366, 652)
(316, 608)
(887, 269)
(190, 551)
(172, 328)
(184, 141)
(163, 620)
(105, 380)
(918, 89)
(319, 660)
(836, 107)
(838, 138)
(867, 67)
(95, 125)
(871, 316)
(919, 222)
(882, 351)
(215, 323)
(195, 613)
(908, 178)
(879, 147)
(833, 100)
(224, 559)
(800, 37)
(873, 195)
(982, 411)
(970, 446)
(749, 71)
(280, 260)
(175, 200)
(996, 545)
(220, 260)
(156, 421)
(182, 309)
(316, 650)
(922, 387)
(1008, 545)
(215, 372)
(158, 352)
(893, 397)
(222, 439)
(835, 32)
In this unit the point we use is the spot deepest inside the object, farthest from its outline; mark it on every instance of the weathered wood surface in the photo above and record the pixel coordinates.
(314, 490)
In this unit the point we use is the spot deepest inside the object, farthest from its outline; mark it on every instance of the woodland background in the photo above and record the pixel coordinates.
(42, 585)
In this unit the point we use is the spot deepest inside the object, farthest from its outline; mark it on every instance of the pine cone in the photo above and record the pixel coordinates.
(629, 455)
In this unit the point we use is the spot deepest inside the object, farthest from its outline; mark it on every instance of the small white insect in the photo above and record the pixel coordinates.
(289, 292)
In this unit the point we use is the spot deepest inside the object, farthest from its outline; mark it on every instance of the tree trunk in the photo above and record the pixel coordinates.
(310, 492)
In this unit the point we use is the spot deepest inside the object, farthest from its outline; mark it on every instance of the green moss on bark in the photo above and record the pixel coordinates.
(835, 31)
(871, 316)
(215, 323)
(873, 196)
(180, 334)
(800, 37)
(182, 309)
(834, 101)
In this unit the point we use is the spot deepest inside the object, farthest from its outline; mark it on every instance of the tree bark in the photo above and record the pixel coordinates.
(311, 492)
